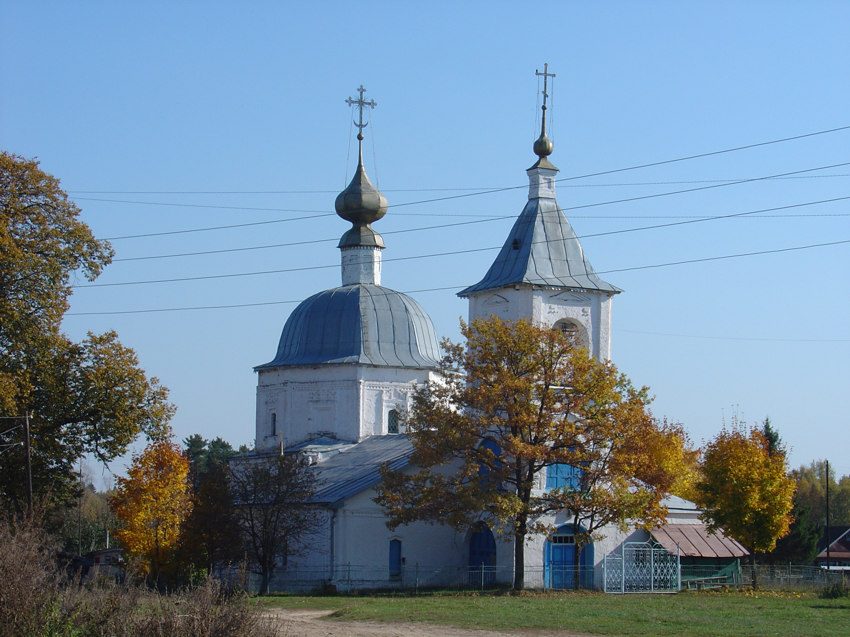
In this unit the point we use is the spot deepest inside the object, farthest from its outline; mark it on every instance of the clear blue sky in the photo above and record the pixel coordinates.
(167, 116)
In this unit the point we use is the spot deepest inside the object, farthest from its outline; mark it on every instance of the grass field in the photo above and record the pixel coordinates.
(707, 613)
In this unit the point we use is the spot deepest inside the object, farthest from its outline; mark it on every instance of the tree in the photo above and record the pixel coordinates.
(799, 546)
(811, 493)
(85, 525)
(771, 435)
(211, 534)
(272, 496)
(205, 455)
(152, 502)
(745, 490)
(515, 401)
(88, 397)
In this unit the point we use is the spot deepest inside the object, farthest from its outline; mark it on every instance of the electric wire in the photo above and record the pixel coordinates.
(330, 192)
(458, 287)
(585, 176)
(449, 253)
(695, 219)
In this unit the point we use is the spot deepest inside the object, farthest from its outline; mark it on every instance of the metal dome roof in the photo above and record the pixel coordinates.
(361, 323)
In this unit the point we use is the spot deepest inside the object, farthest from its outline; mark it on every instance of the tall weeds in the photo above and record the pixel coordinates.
(38, 598)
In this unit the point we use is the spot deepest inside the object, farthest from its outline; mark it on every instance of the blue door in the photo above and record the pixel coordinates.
(482, 556)
(559, 560)
(395, 558)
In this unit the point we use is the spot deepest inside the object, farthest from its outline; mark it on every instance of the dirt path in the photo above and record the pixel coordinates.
(310, 623)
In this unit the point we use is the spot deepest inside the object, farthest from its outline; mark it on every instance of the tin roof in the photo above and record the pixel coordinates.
(541, 249)
(361, 323)
(356, 468)
(694, 540)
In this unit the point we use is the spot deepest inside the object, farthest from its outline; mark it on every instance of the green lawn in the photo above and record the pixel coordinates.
(733, 613)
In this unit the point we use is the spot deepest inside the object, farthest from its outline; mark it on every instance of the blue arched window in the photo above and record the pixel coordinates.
(494, 463)
(395, 558)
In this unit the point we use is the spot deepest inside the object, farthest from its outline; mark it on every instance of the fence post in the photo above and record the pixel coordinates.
(651, 571)
(623, 569)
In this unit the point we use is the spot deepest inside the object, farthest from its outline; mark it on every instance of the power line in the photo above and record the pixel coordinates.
(597, 174)
(438, 254)
(727, 256)
(459, 287)
(741, 338)
(477, 190)
(689, 220)
(227, 227)
(583, 206)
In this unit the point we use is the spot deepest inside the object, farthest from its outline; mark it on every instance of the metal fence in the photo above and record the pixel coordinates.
(641, 567)
(646, 570)
(348, 578)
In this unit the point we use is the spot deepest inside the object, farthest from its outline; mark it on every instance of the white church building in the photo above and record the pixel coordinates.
(347, 363)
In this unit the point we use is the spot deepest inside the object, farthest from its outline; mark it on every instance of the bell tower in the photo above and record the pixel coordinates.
(541, 273)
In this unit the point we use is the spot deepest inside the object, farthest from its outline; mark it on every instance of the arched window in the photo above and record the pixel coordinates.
(392, 422)
(273, 424)
(395, 558)
(573, 331)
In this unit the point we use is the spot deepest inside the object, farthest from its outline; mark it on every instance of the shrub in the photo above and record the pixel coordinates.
(835, 590)
(39, 598)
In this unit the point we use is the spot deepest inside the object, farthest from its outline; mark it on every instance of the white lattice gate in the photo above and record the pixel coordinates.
(642, 567)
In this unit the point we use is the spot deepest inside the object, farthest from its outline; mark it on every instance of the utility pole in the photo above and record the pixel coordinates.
(28, 462)
(827, 517)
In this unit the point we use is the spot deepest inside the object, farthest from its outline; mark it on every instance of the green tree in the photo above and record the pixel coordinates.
(799, 546)
(84, 524)
(272, 496)
(205, 455)
(774, 441)
(811, 493)
(87, 397)
(210, 536)
(515, 400)
(745, 490)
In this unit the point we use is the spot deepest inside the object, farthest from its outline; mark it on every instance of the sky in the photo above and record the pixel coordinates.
(221, 128)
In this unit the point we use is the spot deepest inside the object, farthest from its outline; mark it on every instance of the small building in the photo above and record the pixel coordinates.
(838, 556)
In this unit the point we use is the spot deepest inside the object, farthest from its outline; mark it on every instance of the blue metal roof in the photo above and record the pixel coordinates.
(541, 249)
(361, 323)
(356, 468)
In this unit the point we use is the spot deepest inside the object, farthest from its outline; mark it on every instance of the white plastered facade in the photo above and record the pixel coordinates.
(589, 310)
(346, 402)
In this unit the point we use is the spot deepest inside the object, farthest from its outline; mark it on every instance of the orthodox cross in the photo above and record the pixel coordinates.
(360, 102)
(546, 75)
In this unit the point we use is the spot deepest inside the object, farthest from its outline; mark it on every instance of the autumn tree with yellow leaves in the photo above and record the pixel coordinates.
(152, 502)
(517, 400)
(745, 489)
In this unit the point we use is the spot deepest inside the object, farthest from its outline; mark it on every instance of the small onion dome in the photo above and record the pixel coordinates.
(361, 204)
(543, 146)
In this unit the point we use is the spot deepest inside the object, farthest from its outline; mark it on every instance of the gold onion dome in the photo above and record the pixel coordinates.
(361, 204)
(543, 146)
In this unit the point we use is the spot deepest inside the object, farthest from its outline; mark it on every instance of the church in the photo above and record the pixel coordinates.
(346, 365)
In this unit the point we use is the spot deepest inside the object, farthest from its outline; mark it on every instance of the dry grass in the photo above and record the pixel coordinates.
(38, 598)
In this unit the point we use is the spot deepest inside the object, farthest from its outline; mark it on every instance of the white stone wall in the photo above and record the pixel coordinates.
(361, 264)
(347, 402)
(545, 306)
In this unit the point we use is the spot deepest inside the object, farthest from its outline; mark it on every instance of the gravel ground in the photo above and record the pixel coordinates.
(310, 623)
